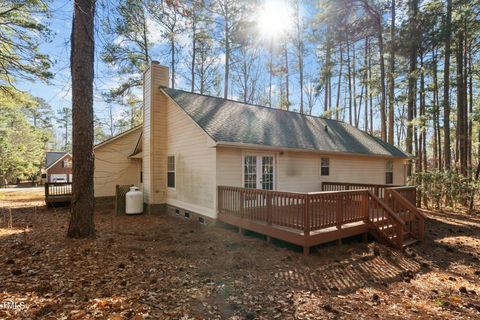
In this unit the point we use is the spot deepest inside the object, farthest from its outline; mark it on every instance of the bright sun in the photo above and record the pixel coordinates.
(274, 18)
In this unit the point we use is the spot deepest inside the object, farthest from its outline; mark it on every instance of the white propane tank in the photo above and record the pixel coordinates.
(134, 201)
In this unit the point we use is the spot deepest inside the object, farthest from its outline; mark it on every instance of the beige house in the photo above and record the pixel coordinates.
(189, 144)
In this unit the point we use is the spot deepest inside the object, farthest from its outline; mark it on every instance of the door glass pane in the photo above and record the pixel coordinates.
(250, 172)
(267, 173)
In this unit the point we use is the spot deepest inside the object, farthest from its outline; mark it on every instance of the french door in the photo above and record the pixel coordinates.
(259, 171)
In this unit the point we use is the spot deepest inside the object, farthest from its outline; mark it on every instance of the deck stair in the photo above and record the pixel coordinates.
(395, 220)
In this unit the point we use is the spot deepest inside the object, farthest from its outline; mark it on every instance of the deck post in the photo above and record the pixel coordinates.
(269, 209)
(242, 202)
(306, 251)
(421, 229)
(366, 206)
(365, 237)
(306, 216)
(219, 199)
(338, 215)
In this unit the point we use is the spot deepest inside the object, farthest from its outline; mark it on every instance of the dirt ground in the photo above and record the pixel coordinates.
(162, 267)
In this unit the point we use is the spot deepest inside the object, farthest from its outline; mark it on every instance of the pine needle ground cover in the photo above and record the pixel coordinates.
(162, 267)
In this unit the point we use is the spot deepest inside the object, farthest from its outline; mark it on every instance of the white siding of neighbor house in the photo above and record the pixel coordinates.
(112, 165)
(300, 171)
(195, 164)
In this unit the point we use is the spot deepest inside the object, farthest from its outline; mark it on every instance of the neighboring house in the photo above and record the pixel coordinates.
(190, 143)
(58, 167)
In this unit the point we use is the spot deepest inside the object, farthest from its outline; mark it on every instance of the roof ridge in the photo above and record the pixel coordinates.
(257, 105)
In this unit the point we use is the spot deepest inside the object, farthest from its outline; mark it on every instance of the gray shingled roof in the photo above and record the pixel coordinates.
(53, 156)
(231, 121)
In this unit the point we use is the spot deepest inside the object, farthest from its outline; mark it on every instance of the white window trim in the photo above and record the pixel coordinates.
(174, 171)
(392, 171)
(329, 160)
(260, 154)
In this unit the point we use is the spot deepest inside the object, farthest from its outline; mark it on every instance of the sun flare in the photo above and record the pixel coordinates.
(274, 18)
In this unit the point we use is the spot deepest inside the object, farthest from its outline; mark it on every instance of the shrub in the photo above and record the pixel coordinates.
(445, 188)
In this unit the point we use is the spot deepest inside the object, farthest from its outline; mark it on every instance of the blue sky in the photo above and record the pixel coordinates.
(57, 92)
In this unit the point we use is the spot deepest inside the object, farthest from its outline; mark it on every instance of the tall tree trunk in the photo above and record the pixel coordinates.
(194, 53)
(350, 98)
(172, 47)
(337, 106)
(354, 82)
(411, 81)
(300, 49)
(287, 84)
(227, 54)
(365, 77)
(383, 116)
(470, 110)
(82, 70)
(270, 66)
(446, 88)
(391, 77)
(436, 110)
(423, 124)
(369, 83)
(328, 64)
(461, 114)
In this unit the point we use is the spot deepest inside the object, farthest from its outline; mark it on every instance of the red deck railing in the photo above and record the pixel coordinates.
(377, 189)
(305, 216)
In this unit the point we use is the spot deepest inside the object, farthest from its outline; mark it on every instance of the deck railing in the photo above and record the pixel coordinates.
(54, 189)
(309, 212)
(377, 189)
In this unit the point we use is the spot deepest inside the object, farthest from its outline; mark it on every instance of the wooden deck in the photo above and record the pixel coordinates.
(58, 192)
(309, 219)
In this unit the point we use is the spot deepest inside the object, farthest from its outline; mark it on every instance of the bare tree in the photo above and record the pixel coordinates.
(230, 13)
(299, 44)
(247, 70)
(169, 15)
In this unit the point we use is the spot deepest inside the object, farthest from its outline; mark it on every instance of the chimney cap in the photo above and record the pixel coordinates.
(155, 62)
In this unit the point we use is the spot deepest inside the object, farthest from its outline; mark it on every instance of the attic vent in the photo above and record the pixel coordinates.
(326, 128)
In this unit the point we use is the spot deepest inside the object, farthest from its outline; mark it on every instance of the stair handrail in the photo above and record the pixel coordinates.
(400, 224)
(387, 208)
(419, 215)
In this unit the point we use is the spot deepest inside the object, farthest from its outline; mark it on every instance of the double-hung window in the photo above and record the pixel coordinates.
(171, 172)
(389, 172)
(325, 167)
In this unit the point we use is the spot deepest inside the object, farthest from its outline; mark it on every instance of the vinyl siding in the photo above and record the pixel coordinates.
(194, 164)
(112, 165)
(300, 171)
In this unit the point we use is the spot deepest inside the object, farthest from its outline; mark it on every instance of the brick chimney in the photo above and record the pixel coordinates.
(154, 164)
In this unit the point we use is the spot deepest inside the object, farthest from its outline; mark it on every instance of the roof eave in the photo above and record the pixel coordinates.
(242, 145)
(104, 142)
